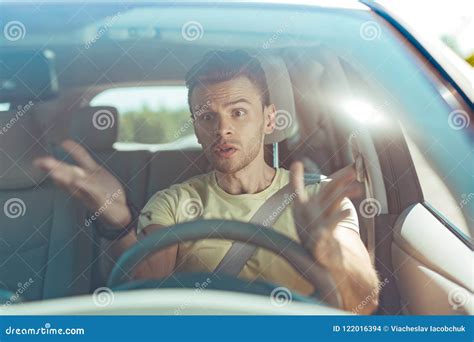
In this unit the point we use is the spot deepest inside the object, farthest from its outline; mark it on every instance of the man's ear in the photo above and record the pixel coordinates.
(196, 132)
(269, 113)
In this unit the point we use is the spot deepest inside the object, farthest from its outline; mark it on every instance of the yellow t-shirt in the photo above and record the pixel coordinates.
(201, 197)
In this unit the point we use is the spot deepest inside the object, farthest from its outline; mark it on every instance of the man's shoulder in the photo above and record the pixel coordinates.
(162, 208)
(195, 181)
(191, 185)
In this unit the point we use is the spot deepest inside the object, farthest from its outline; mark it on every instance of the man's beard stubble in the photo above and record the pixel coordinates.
(246, 157)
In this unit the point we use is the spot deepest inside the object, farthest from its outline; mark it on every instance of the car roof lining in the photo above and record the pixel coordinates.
(69, 24)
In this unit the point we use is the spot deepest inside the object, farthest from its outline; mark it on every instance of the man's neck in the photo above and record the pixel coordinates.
(252, 179)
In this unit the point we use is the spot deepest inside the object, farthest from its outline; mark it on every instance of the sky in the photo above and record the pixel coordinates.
(128, 99)
(440, 17)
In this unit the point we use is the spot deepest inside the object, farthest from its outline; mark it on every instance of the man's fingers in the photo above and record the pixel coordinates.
(334, 220)
(62, 173)
(85, 193)
(332, 202)
(347, 171)
(340, 179)
(297, 181)
(80, 154)
(329, 224)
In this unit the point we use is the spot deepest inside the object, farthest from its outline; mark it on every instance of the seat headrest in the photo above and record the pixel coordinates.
(95, 127)
(20, 143)
(281, 95)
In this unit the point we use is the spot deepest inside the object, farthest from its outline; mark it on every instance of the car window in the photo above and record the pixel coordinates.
(149, 115)
(436, 192)
(440, 135)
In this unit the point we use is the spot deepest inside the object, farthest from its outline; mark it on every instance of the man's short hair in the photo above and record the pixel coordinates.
(220, 66)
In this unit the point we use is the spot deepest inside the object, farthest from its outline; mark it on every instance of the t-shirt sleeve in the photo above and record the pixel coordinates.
(350, 222)
(160, 209)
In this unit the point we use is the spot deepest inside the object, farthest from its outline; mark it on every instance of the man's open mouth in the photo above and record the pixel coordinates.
(225, 150)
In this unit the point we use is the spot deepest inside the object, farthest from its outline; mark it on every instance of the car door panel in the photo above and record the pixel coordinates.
(430, 263)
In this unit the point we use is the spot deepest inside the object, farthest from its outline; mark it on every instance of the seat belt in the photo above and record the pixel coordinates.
(240, 252)
(70, 249)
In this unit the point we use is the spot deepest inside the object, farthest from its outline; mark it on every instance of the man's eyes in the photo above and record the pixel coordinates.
(239, 112)
(207, 116)
(210, 116)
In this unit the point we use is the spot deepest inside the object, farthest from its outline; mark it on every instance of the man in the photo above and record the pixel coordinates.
(232, 113)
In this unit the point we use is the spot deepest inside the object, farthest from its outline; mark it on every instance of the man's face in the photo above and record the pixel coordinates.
(231, 123)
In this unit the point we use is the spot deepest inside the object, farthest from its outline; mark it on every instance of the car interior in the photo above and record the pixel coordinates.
(50, 243)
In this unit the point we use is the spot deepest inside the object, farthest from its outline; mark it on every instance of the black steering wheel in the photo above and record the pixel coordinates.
(250, 233)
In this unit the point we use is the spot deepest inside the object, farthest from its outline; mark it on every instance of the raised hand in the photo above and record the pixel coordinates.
(97, 188)
(317, 216)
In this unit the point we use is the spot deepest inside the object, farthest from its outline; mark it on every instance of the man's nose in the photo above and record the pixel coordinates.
(223, 127)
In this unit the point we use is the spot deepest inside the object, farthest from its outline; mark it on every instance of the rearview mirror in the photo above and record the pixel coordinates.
(27, 75)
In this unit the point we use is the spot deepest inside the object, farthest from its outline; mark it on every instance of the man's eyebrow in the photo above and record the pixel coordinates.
(237, 101)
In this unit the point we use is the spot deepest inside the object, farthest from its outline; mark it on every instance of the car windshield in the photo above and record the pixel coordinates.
(345, 83)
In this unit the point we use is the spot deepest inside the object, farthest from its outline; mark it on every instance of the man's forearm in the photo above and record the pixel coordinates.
(353, 273)
(112, 250)
(357, 283)
(157, 265)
